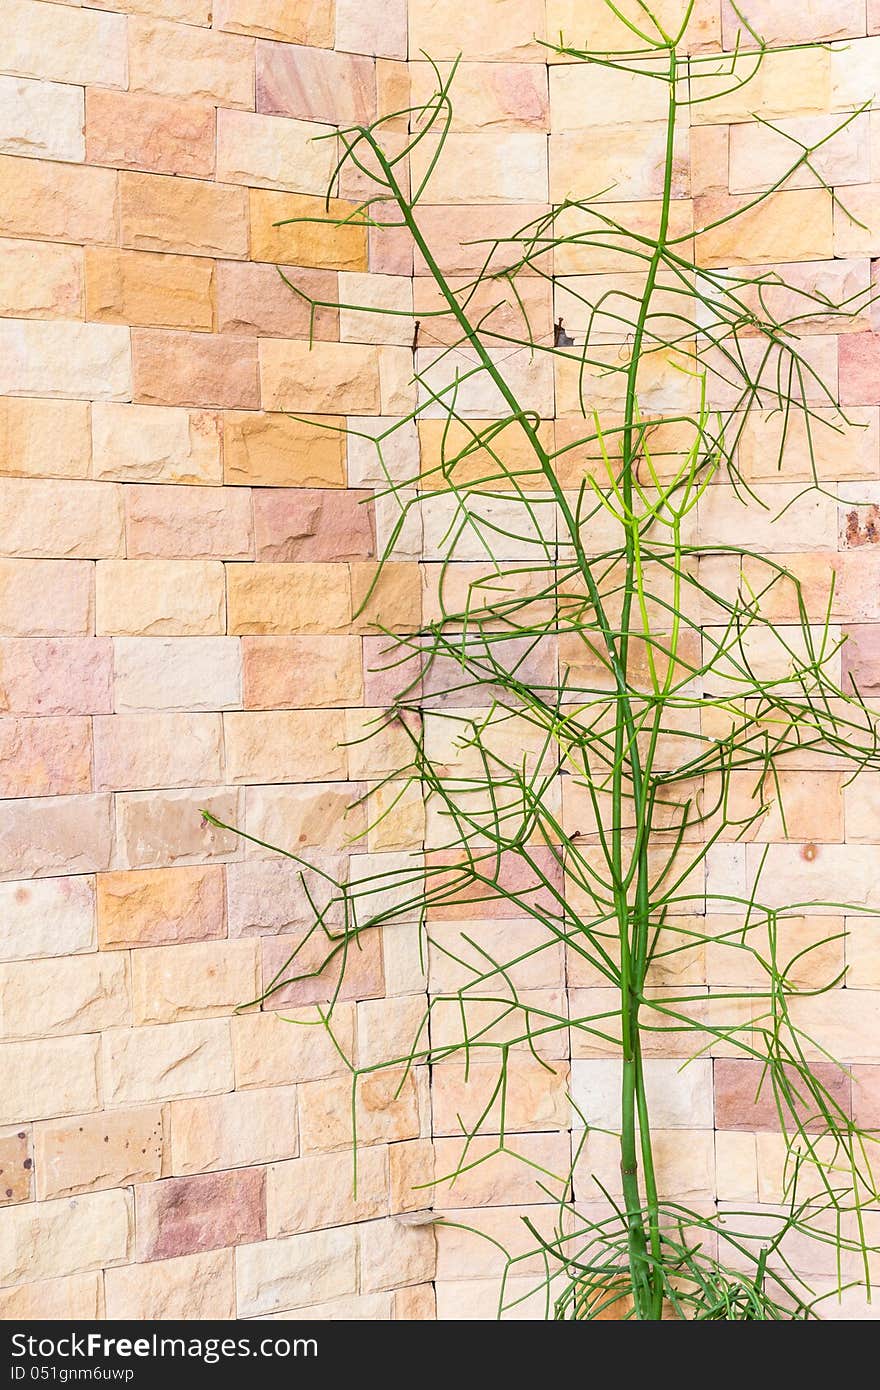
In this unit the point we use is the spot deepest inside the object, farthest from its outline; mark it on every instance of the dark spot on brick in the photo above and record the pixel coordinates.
(9, 1192)
(22, 895)
(810, 852)
(28, 1164)
(21, 1134)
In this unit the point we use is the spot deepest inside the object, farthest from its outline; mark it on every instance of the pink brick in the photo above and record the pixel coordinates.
(874, 16)
(135, 130)
(859, 368)
(361, 969)
(736, 1085)
(866, 1096)
(134, 751)
(202, 523)
(860, 658)
(47, 598)
(385, 674)
(183, 1216)
(252, 297)
(56, 675)
(315, 84)
(295, 672)
(269, 895)
(454, 899)
(313, 524)
(45, 757)
(194, 369)
(42, 837)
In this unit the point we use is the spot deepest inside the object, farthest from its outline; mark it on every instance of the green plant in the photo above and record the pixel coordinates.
(586, 650)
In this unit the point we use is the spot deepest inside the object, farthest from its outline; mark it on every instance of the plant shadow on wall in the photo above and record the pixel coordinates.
(602, 713)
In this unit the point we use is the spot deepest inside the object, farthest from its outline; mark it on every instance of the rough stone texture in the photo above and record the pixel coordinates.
(16, 1166)
(190, 1287)
(274, 1275)
(161, 291)
(233, 1131)
(98, 1151)
(163, 135)
(185, 1216)
(283, 451)
(48, 1239)
(83, 994)
(167, 1062)
(155, 907)
(141, 443)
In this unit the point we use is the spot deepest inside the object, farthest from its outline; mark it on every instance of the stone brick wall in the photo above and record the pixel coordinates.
(179, 567)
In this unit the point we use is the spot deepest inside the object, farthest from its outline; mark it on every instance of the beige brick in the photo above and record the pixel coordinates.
(318, 1190)
(235, 1130)
(42, 438)
(304, 241)
(16, 1166)
(72, 520)
(168, 214)
(188, 523)
(40, 281)
(186, 673)
(272, 1275)
(388, 1110)
(183, 11)
(856, 221)
(78, 1296)
(45, 1240)
(64, 43)
(171, 368)
(196, 980)
(793, 225)
(41, 119)
(793, 82)
(500, 29)
(135, 287)
(274, 152)
(283, 746)
(760, 158)
(154, 907)
(191, 1287)
(283, 451)
(374, 1307)
(295, 21)
(42, 836)
(179, 61)
(348, 376)
(159, 829)
(80, 995)
(394, 1254)
(46, 358)
(141, 598)
(497, 96)
(134, 751)
(58, 1076)
(271, 1051)
(276, 599)
(301, 671)
(854, 74)
(91, 1152)
(166, 1062)
(55, 202)
(320, 814)
(47, 917)
(156, 444)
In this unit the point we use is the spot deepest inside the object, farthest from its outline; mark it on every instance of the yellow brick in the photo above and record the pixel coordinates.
(283, 451)
(284, 746)
(288, 598)
(137, 288)
(161, 213)
(151, 597)
(196, 980)
(44, 438)
(305, 243)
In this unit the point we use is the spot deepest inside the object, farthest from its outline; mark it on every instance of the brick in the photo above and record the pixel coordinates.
(156, 750)
(47, 917)
(537, 1100)
(184, 11)
(283, 746)
(44, 998)
(268, 896)
(274, 1274)
(41, 119)
(55, 675)
(134, 287)
(855, 221)
(169, 214)
(194, 369)
(158, 444)
(68, 519)
(233, 1131)
(791, 225)
(383, 311)
(295, 21)
(45, 1240)
(315, 84)
(65, 359)
(162, 135)
(177, 61)
(298, 672)
(153, 598)
(394, 1254)
(510, 167)
(788, 22)
(40, 281)
(387, 1110)
(55, 1076)
(318, 815)
(861, 659)
(253, 298)
(160, 906)
(859, 360)
(76, 1296)
(186, 673)
(198, 980)
(313, 524)
(388, 597)
(496, 96)
(58, 204)
(294, 968)
(66, 45)
(92, 1152)
(866, 1096)
(16, 1166)
(188, 523)
(274, 152)
(43, 438)
(279, 599)
(185, 1216)
(309, 1193)
(273, 1051)
(354, 1308)
(159, 830)
(760, 157)
(307, 242)
(281, 451)
(790, 82)
(854, 74)
(627, 160)
(351, 377)
(67, 834)
(493, 31)
(738, 1104)
(167, 1062)
(190, 1287)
